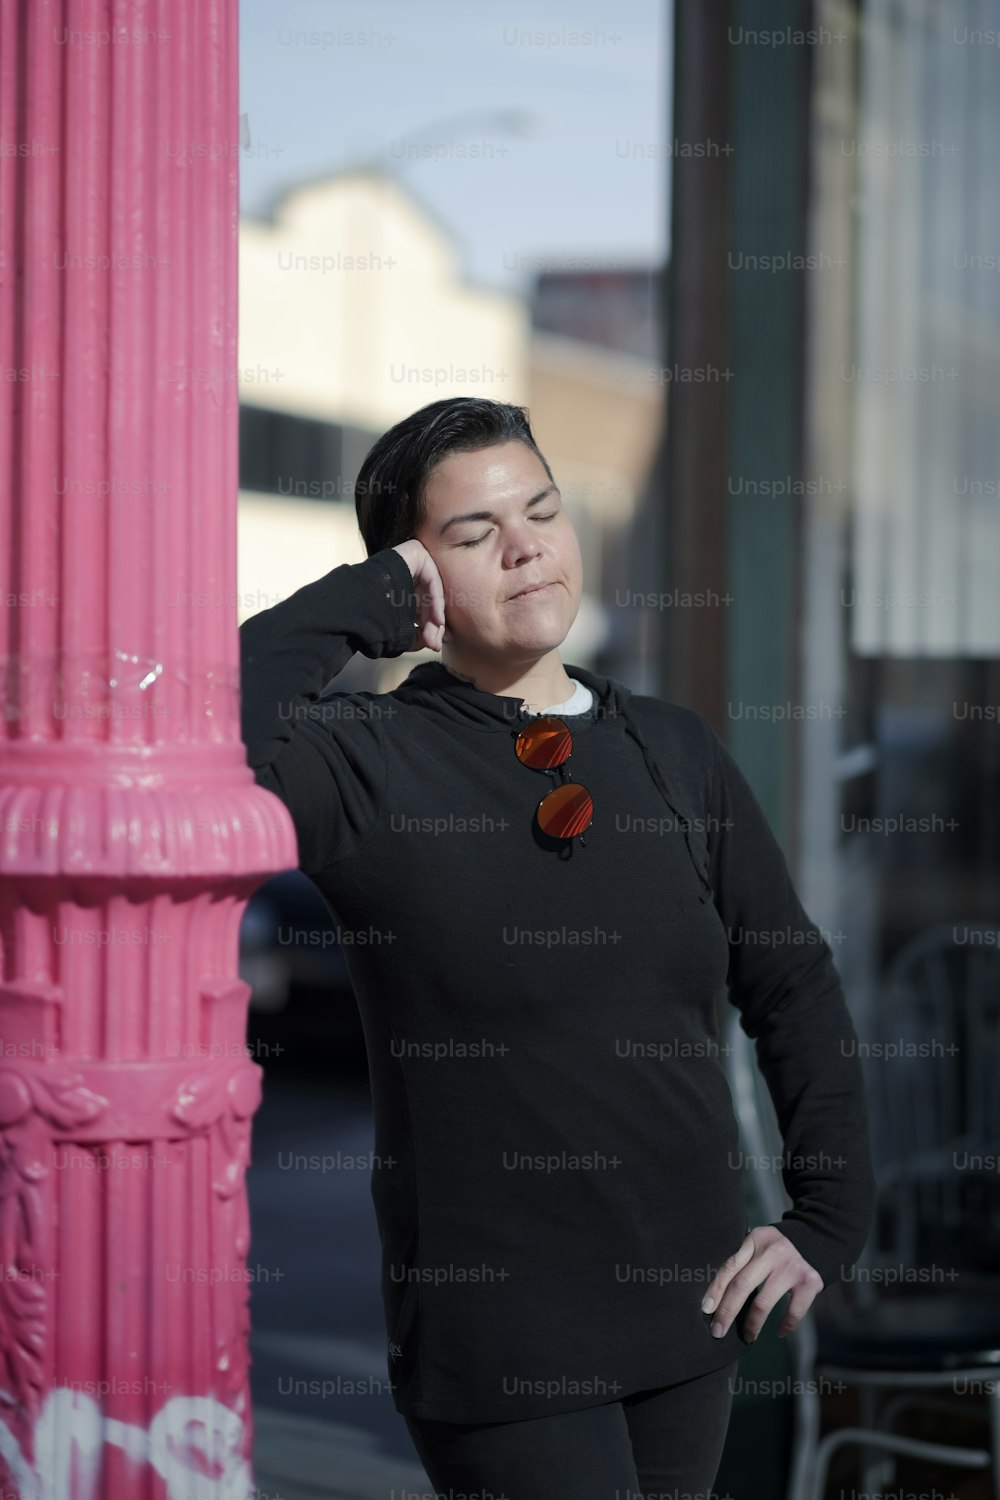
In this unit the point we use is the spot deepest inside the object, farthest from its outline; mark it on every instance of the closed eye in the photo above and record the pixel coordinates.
(475, 543)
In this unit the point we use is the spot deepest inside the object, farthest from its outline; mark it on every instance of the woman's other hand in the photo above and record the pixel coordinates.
(768, 1260)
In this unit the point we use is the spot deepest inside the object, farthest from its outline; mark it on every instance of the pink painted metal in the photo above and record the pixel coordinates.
(131, 830)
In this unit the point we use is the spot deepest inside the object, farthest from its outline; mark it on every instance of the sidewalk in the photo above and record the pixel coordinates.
(302, 1458)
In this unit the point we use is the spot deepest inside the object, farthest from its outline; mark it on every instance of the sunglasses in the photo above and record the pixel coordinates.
(567, 811)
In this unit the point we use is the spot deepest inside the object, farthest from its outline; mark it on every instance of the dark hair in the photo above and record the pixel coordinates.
(389, 494)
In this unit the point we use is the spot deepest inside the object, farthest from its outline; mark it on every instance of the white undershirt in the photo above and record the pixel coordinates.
(578, 702)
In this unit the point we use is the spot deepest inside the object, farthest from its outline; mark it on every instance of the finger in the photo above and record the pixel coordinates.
(759, 1311)
(428, 582)
(803, 1297)
(765, 1270)
(716, 1287)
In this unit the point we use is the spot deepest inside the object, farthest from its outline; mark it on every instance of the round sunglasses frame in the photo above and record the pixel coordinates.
(546, 744)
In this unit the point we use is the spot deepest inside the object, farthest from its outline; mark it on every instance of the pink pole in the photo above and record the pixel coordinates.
(131, 829)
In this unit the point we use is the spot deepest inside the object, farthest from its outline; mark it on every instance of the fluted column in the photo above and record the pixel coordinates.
(131, 830)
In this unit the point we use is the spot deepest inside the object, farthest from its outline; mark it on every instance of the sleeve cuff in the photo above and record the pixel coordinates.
(390, 572)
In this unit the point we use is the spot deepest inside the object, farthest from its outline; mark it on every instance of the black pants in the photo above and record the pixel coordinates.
(662, 1444)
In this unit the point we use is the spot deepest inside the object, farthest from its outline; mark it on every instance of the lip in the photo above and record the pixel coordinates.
(535, 588)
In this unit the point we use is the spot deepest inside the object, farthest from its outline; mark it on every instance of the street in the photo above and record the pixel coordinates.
(324, 1420)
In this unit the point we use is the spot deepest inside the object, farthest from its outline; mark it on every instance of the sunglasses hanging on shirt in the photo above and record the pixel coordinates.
(567, 811)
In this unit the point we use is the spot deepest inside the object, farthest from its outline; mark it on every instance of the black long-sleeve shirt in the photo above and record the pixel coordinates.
(557, 1168)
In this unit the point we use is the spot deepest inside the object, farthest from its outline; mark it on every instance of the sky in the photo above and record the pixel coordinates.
(528, 141)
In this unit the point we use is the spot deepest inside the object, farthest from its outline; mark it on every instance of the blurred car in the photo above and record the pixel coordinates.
(301, 996)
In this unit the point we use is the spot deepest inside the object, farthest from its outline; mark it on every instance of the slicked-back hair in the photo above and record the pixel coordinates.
(392, 480)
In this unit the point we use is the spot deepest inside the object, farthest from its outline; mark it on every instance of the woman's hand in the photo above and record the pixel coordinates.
(765, 1256)
(430, 595)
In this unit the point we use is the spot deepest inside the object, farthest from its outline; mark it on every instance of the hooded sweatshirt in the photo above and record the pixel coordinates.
(557, 1169)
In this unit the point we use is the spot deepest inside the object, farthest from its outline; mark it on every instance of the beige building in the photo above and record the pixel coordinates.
(353, 308)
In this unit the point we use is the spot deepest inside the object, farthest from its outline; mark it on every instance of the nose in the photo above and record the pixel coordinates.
(521, 544)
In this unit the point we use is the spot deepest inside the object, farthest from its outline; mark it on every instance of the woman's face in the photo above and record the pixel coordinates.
(496, 524)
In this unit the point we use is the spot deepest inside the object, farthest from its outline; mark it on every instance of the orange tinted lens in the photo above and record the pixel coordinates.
(544, 744)
(565, 812)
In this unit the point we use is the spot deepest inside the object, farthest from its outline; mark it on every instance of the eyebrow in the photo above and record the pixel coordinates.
(489, 515)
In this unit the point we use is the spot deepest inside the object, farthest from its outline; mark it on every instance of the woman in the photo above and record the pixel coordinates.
(537, 915)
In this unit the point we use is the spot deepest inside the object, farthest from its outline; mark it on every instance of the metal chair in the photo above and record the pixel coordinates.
(932, 1104)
